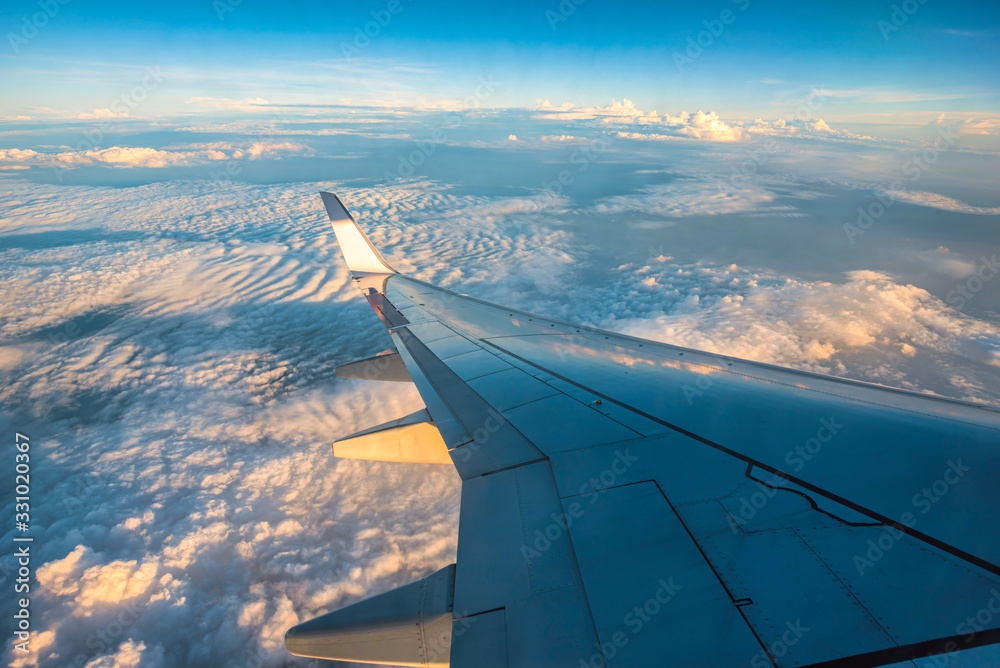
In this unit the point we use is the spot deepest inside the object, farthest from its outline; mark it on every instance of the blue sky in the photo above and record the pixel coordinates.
(890, 62)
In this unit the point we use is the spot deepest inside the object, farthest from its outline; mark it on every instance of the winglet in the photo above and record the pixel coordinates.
(361, 256)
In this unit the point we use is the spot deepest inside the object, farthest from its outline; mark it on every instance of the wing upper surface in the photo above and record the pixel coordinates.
(632, 503)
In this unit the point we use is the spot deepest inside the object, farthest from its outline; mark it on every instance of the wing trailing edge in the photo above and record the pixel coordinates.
(408, 626)
(412, 438)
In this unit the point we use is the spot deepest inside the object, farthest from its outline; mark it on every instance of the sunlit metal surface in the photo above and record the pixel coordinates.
(629, 503)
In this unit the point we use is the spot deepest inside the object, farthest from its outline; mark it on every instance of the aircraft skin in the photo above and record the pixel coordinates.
(632, 503)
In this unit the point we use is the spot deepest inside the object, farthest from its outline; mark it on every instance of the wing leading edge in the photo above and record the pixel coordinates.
(629, 503)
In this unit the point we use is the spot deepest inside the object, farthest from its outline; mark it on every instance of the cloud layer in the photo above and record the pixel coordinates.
(868, 326)
(650, 126)
(170, 348)
(144, 156)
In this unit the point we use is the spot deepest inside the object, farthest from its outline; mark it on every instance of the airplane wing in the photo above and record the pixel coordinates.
(631, 503)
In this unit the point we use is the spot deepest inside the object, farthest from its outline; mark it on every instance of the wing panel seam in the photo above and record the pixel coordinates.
(930, 540)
